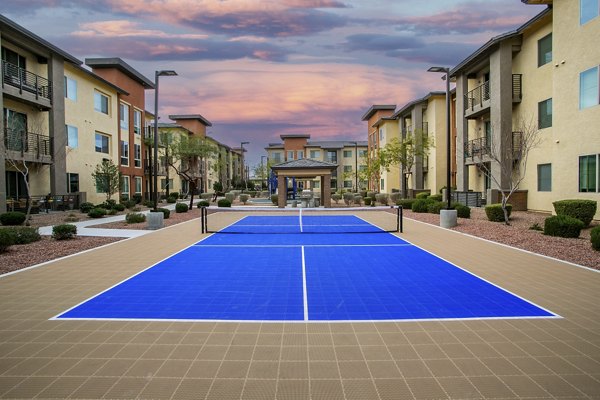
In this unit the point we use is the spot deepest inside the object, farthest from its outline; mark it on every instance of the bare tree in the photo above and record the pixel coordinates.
(511, 159)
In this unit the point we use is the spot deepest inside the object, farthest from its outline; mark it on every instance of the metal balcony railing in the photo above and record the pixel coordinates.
(148, 168)
(477, 96)
(517, 87)
(26, 81)
(481, 147)
(27, 143)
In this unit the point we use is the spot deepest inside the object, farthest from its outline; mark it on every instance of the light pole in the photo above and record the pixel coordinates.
(263, 172)
(155, 167)
(243, 166)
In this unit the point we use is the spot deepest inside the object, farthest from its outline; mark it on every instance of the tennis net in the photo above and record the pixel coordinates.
(247, 220)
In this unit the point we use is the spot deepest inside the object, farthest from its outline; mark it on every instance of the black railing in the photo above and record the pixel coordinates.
(477, 96)
(26, 81)
(482, 146)
(470, 199)
(44, 203)
(27, 143)
(148, 168)
(517, 87)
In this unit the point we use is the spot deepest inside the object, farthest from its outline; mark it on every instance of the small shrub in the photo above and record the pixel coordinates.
(181, 208)
(382, 198)
(206, 196)
(175, 195)
(203, 203)
(434, 207)
(137, 198)
(171, 200)
(224, 203)
(336, 197)
(230, 196)
(367, 201)
(435, 197)
(135, 218)
(71, 218)
(166, 212)
(363, 193)
(25, 235)
(394, 197)
(64, 231)
(595, 237)
(536, 227)
(274, 199)
(405, 203)
(462, 211)
(121, 207)
(357, 199)
(563, 226)
(112, 211)
(7, 239)
(136, 208)
(244, 197)
(12, 218)
(422, 196)
(372, 196)
(583, 210)
(420, 206)
(348, 198)
(148, 203)
(110, 203)
(97, 213)
(494, 212)
(85, 207)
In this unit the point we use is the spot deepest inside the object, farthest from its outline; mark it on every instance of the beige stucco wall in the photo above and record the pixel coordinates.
(435, 116)
(390, 178)
(81, 114)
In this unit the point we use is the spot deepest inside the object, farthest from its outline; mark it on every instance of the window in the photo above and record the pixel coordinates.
(347, 153)
(362, 168)
(276, 157)
(381, 134)
(545, 114)
(290, 155)
(137, 155)
(317, 184)
(138, 184)
(347, 168)
(332, 157)
(544, 177)
(382, 184)
(315, 154)
(124, 153)
(588, 173)
(15, 59)
(362, 153)
(70, 89)
(347, 184)
(100, 102)
(124, 116)
(137, 122)
(125, 187)
(163, 184)
(588, 88)
(588, 10)
(300, 154)
(72, 183)
(545, 50)
(72, 136)
(102, 144)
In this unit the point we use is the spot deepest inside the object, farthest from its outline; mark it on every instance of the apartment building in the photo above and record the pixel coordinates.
(33, 115)
(91, 129)
(386, 129)
(544, 75)
(131, 117)
(349, 156)
(376, 113)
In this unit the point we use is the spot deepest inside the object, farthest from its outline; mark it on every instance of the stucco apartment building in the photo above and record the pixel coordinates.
(545, 74)
(349, 156)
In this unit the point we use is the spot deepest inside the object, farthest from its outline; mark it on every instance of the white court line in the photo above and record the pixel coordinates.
(303, 245)
(300, 218)
(304, 292)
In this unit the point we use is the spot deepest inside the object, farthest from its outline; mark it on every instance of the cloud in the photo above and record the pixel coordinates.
(444, 53)
(379, 42)
(126, 28)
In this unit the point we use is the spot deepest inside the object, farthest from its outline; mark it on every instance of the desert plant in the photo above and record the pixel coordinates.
(583, 210)
(420, 206)
(462, 211)
(224, 203)
(595, 238)
(122, 206)
(336, 197)
(71, 218)
(244, 197)
(495, 213)
(357, 199)
(348, 198)
(405, 203)
(25, 234)
(97, 213)
(181, 208)
(372, 196)
(203, 203)
(64, 231)
(85, 207)
(166, 212)
(230, 196)
(382, 198)
(206, 196)
(7, 239)
(434, 207)
(12, 218)
(135, 218)
(563, 226)
(367, 201)
(274, 199)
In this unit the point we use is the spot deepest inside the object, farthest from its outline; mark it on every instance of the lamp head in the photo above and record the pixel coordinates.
(438, 69)
(168, 72)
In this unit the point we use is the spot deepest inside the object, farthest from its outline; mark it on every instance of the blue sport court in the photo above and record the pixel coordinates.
(304, 268)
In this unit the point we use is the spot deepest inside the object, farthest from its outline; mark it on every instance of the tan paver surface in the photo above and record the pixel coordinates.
(505, 358)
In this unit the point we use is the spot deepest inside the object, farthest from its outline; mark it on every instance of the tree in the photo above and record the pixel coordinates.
(107, 178)
(357, 175)
(261, 171)
(404, 153)
(511, 160)
(373, 168)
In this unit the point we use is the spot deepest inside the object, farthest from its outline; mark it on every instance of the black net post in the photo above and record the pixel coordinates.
(400, 222)
(203, 219)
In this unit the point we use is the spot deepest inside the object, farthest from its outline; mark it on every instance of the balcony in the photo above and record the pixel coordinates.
(480, 149)
(27, 146)
(162, 170)
(478, 100)
(22, 84)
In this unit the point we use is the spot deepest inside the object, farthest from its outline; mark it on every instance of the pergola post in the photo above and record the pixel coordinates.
(326, 191)
(281, 191)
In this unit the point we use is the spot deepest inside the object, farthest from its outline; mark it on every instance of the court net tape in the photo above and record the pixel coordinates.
(264, 220)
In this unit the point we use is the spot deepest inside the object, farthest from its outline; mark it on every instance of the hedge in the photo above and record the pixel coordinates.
(405, 203)
(12, 218)
(420, 206)
(64, 231)
(563, 226)
(462, 211)
(7, 239)
(435, 197)
(203, 203)
(181, 208)
(494, 212)
(595, 238)
(135, 218)
(166, 212)
(367, 201)
(85, 207)
(422, 196)
(434, 207)
(25, 235)
(224, 203)
(97, 213)
(583, 210)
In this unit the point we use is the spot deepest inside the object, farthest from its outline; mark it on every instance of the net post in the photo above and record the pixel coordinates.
(400, 220)
(203, 219)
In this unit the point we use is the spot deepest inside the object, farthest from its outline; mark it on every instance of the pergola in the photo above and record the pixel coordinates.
(307, 169)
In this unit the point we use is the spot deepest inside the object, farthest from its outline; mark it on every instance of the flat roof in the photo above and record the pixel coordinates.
(295, 136)
(99, 78)
(118, 63)
(196, 117)
(377, 107)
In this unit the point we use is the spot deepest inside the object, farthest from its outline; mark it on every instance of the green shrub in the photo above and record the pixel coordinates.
(181, 208)
(203, 203)
(137, 198)
(336, 197)
(12, 218)
(166, 212)
(422, 196)
(110, 203)
(434, 207)
(595, 238)
(85, 207)
(112, 211)
(348, 198)
(25, 234)
(563, 226)
(382, 198)
(394, 197)
(494, 212)
(583, 210)
(135, 218)
(363, 193)
(174, 195)
(206, 196)
(405, 203)
(121, 207)
(462, 211)
(230, 196)
(367, 201)
(357, 199)
(435, 197)
(64, 231)
(71, 218)
(7, 239)
(224, 203)
(148, 203)
(274, 199)
(372, 196)
(97, 213)
(171, 200)
(420, 206)
(244, 197)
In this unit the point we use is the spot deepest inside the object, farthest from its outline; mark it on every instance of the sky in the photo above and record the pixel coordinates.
(257, 69)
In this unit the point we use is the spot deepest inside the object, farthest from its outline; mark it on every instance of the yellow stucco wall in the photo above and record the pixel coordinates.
(391, 177)
(435, 116)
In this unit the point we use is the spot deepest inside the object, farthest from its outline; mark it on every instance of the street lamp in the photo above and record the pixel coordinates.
(155, 167)
(263, 172)
(446, 77)
(243, 166)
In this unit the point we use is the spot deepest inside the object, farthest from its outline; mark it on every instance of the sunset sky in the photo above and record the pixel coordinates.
(259, 69)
